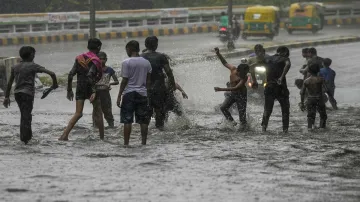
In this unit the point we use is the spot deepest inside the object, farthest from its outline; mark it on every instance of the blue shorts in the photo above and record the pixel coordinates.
(132, 103)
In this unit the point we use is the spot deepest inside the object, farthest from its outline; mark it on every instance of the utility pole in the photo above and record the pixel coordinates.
(92, 19)
(230, 45)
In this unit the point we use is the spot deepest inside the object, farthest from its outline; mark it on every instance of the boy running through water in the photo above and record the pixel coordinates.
(88, 69)
(103, 88)
(157, 94)
(24, 76)
(238, 90)
(315, 99)
(134, 87)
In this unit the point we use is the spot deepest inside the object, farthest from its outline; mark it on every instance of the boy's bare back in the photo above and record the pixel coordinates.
(314, 86)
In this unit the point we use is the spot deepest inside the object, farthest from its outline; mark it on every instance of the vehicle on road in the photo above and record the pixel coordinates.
(261, 21)
(306, 17)
(224, 34)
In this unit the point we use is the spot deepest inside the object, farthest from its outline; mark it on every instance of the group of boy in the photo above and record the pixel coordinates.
(318, 84)
(143, 89)
(318, 80)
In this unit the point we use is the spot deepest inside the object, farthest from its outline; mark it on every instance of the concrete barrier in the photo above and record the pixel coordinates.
(5, 70)
(19, 40)
(107, 35)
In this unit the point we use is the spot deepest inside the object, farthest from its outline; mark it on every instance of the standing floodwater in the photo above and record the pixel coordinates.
(200, 161)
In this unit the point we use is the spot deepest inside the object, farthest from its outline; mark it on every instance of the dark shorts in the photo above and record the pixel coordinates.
(170, 102)
(132, 103)
(157, 98)
(83, 92)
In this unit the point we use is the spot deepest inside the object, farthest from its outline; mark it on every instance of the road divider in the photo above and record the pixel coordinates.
(107, 35)
(42, 38)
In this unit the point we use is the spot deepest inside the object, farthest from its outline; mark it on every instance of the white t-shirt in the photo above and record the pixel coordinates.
(136, 70)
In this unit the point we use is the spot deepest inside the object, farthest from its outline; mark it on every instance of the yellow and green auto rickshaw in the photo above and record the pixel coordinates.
(261, 21)
(306, 17)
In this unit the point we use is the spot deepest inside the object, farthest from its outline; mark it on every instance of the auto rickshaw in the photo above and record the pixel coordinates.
(306, 17)
(261, 21)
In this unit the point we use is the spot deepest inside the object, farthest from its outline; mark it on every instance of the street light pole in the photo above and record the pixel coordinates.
(230, 44)
(92, 19)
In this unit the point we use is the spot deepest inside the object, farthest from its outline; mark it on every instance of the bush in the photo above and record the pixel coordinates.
(47, 81)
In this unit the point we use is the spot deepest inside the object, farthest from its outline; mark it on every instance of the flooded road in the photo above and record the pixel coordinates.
(195, 159)
(59, 57)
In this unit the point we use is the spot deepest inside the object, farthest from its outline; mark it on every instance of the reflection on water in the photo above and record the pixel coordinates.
(198, 158)
(202, 162)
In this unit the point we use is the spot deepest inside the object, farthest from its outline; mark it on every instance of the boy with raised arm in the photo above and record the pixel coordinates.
(237, 88)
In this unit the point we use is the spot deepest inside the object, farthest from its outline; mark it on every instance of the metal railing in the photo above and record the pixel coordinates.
(126, 20)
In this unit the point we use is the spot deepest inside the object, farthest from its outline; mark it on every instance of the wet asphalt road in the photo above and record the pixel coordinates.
(199, 158)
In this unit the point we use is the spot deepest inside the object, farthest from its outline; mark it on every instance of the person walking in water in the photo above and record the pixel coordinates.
(315, 99)
(157, 93)
(238, 90)
(24, 75)
(103, 90)
(329, 76)
(277, 66)
(133, 92)
(88, 69)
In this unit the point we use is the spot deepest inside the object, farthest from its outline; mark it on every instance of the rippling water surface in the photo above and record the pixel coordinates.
(196, 159)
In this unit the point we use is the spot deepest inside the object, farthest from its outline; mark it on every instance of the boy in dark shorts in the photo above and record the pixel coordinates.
(315, 99)
(136, 78)
(88, 69)
(103, 90)
(24, 75)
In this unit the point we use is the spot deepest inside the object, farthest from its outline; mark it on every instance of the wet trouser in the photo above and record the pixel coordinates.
(240, 98)
(331, 92)
(172, 105)
(313, 105)
(105, 100)
(157, 98)
(280, 93)
(25, 103)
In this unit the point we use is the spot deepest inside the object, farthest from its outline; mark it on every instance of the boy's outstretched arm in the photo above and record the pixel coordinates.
(8, 89)
(116, 80)
(286, 70)
(53, 77)
(223, 61)
(178, 87)
(235, 88)
(72, 73)
(302, 95)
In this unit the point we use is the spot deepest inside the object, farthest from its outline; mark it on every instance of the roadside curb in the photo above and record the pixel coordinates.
(292, 45)
(144, 32)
